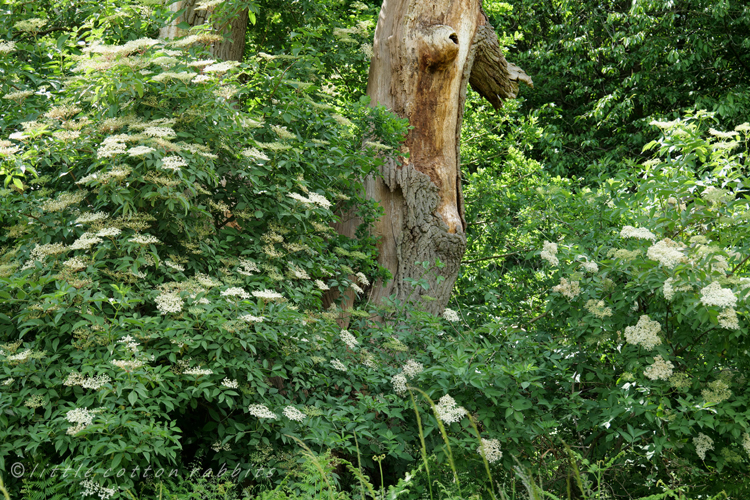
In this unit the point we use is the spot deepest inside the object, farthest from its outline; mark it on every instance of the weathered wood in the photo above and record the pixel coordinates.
(423, 56)
(231, 49)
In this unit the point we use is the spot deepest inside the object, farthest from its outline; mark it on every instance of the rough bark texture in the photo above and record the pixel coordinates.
(231, 49)
(423, 57)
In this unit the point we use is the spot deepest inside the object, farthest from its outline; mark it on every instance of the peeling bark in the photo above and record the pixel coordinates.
(424, 55)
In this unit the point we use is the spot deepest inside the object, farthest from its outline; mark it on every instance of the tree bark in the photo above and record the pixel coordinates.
(231, 49)
(424, 55)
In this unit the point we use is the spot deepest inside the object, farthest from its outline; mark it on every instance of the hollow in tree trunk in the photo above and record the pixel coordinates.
(424, 55)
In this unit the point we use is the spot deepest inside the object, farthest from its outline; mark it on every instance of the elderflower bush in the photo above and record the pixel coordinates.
(666, 309)
(159, 283)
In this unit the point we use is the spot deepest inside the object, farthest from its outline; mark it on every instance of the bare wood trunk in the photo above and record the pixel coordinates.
(423, 57)
(231, 49)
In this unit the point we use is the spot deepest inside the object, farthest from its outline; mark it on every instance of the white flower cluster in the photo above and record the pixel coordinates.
(254, 153)
(173, 163)
(268, 295)
(127, 365)
(717, 391)
(450, 315)
(163, 132)
(728, 319)
(590, 266)
(217, 447)
(35, 401)
(311, 199)
(91, 217)
(356, 288)
(702, 444)
(490, 450)
(283, 132)
(363, 279)
(669, 289)
(399, 384)
(569, 289)
(86, 241)
(293, 413)
(321, 285)
(716, 195)
(411, 369)
(97, 382)
(645, 333)
(666, 252)
(111, 146)
(198, 371)
(108, 232)
(261, 411)
(598, 308)
(40, 252)
(221, 67)
(349, 339)
(714, 295)
(230, 384)
(252, 319)
(140, 151)
(447, 410)
(33, 25)
(174, 265)
(63, 201)
(82, 417)
(746, 442)
(7, 47)
(144, 239)
(338, 365)
(549, 252)
(247, 268)
(299, 273)
(660, 370)
(637, 232)
(91, 488)
(235, 292)
(169, 302)
(21, 357)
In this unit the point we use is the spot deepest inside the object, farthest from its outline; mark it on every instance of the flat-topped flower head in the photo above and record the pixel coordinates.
(450, 315)
(447, 410)
(703, 444)
(268, 295)
(349, 339)
(235, 292)
(399, 384)
(261, 411)
(549, 252)
(640, 233)
(667, 252)
(144, 239)
(140, 150)
(293, 413)
(660, 370)
(645, 333)
(490, 450)
(715, 295)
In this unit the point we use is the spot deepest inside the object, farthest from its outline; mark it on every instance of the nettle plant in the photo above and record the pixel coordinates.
(166, 244)
(662, 295)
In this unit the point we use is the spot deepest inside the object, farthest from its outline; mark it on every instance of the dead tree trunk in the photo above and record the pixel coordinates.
(233, 46)
(425, 54)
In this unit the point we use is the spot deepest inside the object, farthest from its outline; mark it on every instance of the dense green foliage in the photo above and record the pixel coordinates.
(165, 226)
